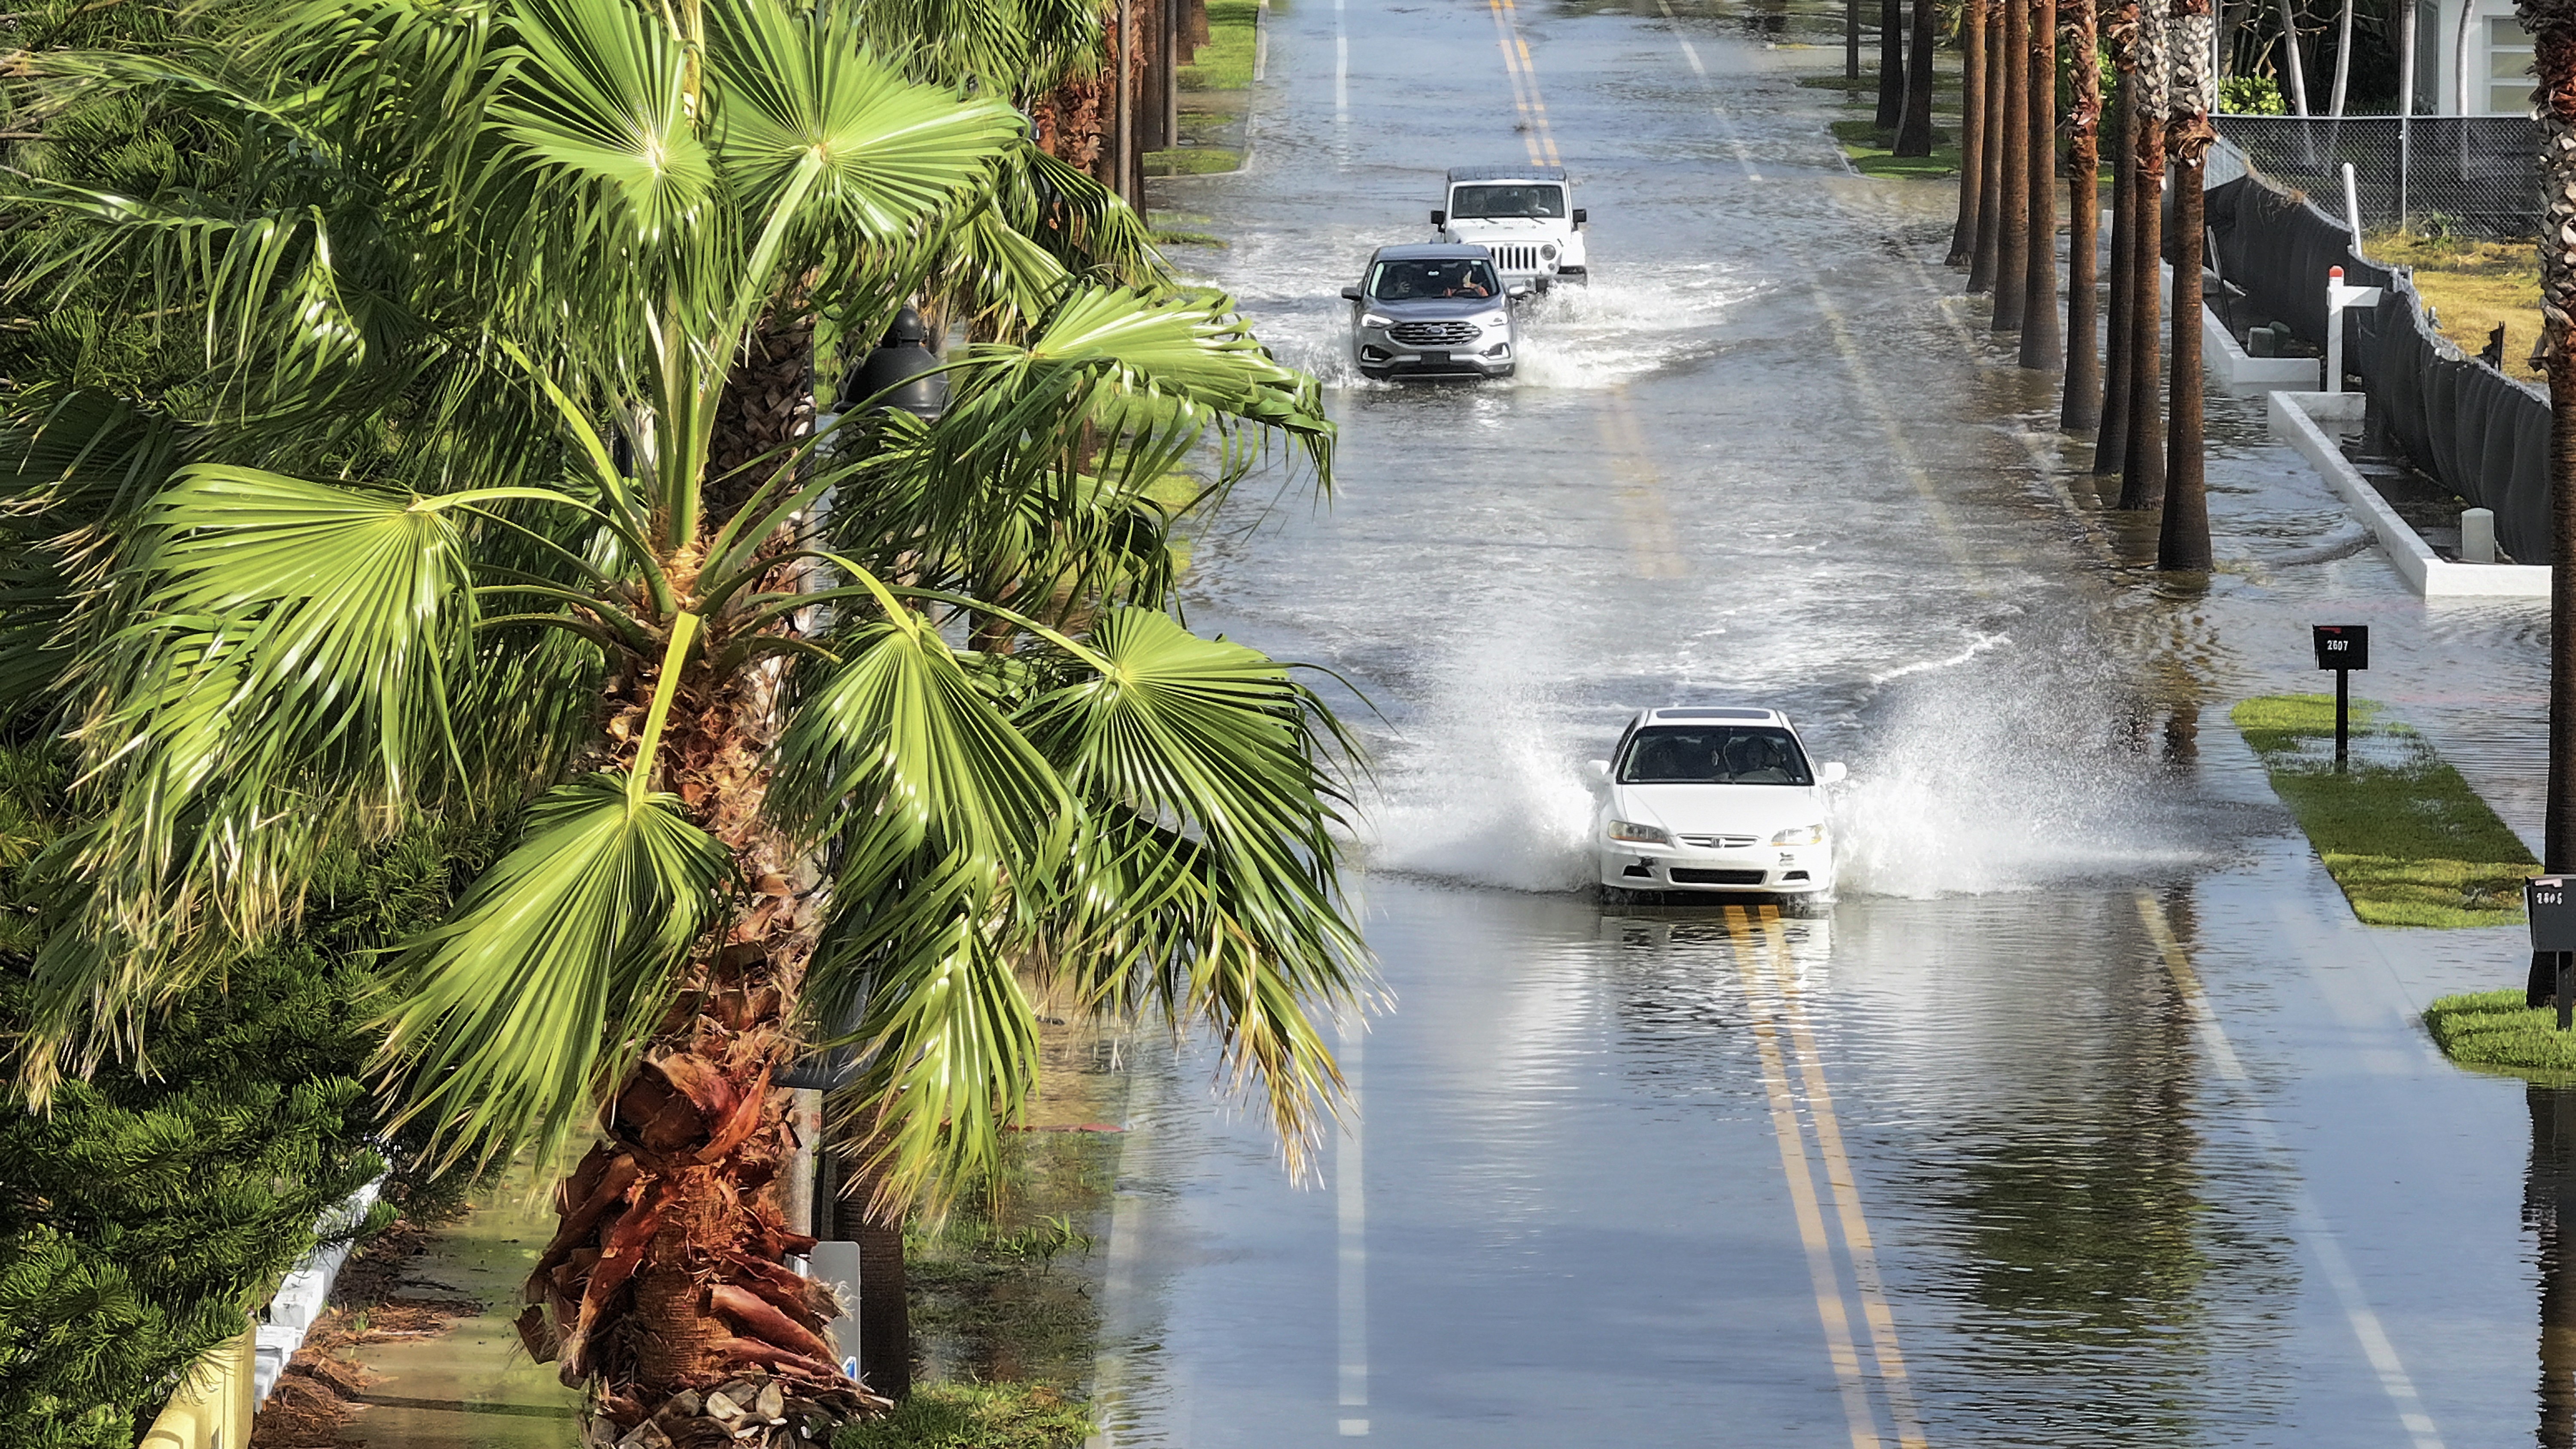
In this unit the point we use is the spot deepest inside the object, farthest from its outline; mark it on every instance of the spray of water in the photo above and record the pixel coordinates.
(1968, 778)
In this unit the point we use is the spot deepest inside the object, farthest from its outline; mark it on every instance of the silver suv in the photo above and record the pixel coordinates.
(1436, 310)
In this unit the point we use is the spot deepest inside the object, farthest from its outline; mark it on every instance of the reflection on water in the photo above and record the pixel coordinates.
(2549, 1206)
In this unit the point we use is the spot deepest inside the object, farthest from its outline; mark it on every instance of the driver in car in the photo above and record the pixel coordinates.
(1467, 285)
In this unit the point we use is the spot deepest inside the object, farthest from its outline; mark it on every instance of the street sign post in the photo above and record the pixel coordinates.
(2342, 648)
(2552, 908)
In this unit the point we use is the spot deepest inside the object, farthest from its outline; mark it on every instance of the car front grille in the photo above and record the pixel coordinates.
(1517, 258)
(1434, 334)
(1720, 842)
(1685, 875)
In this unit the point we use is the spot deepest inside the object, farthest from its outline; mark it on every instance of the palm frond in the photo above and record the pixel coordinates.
(514, 1018)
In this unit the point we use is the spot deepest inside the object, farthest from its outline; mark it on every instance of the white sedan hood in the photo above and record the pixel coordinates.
(1720, 809)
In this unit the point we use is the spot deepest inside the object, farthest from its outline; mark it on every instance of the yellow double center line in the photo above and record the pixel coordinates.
(1535, 131)
(1782, 1034)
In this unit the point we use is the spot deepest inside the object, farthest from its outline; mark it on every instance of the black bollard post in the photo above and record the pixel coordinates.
(2342, 648)
(2553, 940)
(2566, 989)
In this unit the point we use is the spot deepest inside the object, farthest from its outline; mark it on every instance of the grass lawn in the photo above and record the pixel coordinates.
(2404, 836)
(2494, 1029)
(1872, 151)
(975, 1416)
(2472, 286)
(1225, 62)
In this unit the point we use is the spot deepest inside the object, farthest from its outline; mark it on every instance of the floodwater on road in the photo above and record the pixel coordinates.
(2087, 1116)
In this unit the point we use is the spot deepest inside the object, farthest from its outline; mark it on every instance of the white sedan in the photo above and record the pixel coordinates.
(1715, 800)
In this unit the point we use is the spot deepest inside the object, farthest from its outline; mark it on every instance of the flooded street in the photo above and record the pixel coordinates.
(2088, 1116)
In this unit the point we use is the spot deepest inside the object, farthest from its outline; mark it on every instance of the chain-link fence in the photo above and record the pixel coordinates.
(2465, 175)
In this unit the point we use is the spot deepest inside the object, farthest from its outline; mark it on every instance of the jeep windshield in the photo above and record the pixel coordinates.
(1446, 277)
(1515, 202)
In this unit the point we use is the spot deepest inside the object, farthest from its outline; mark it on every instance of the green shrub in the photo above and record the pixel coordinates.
(975, 1416)
(150, 1204)
(2250, 95)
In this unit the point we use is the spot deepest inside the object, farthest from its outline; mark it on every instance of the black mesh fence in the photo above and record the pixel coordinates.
(2466, 175)
(2482, 434)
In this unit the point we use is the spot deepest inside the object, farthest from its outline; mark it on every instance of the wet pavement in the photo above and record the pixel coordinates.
(2088, 1116)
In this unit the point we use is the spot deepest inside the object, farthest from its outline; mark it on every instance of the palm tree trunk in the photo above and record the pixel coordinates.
(2552, 24)
(2012, 254)
(2110, 446)
(1972, 134)
(1914, 136)
(2142, 470)
(2081, 407)
(2182, 544)
(1851, 40)
(1891, 63)
(2043, 343)
(1988, 258)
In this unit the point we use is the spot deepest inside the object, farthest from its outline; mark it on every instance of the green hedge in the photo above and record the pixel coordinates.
(150, 1205)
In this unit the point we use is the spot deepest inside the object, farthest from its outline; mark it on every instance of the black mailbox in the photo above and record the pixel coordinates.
(2553, 912)
(2343, 646)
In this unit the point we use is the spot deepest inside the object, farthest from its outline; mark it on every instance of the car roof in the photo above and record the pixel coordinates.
(1708, 714)
(1506, 173)
(1429, 252)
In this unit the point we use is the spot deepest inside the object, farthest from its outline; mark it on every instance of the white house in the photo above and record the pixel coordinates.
(2480, 69)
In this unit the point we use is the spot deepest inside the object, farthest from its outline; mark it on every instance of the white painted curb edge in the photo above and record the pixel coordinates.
(304, 1293)
(2293, 420)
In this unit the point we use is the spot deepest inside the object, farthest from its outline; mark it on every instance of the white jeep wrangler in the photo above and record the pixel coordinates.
(1522, 215)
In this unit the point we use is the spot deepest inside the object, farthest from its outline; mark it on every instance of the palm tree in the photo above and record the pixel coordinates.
(2110, 445)
(2183, 539)
(2081, 408)
(2012, 253)
(2043, 342)
(1972, 133)
(1891, 63)
(2552, 24)
(480, 291)
(2142, 470)
(1914, 133)
(1987, 260)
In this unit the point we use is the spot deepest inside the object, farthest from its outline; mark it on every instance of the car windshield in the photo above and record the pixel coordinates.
(1714, 755)
(1444, 277)
(1516, 200)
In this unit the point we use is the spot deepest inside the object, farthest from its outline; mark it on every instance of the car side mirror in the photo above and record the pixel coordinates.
(1596, 772)
(1439, 218)
(1517, 290)
(1831, 772)
(1581, 216)
(1350, 294)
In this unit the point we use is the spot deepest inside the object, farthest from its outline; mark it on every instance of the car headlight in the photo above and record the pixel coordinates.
(1803, 835)
(1548, 252)
(1631, 830)
(1371, 319)
(1494, 319)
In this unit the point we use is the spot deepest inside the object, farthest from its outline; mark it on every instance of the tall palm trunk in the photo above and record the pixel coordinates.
(2012, 253)
(1988, 258)
(2182, 545)
(666, 1283)
(2081, 407)
(2552, 24)
(2043, 343)
(1972, 134)
(1914, 136)
(2142, 471)
(1891, 63)
(2110, 446)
